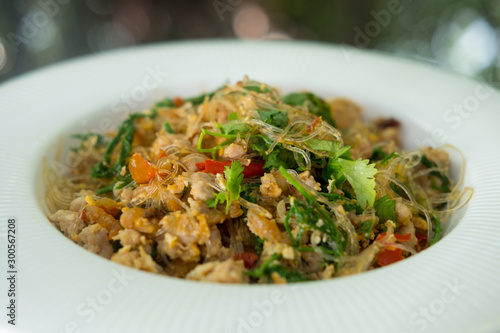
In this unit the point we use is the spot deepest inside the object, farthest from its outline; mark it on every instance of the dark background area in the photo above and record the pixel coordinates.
(462, 36)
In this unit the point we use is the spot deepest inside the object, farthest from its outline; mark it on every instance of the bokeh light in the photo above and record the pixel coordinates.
(3, 56)
(475, 49)
(250, 21)
(38, 30)
(460, 35)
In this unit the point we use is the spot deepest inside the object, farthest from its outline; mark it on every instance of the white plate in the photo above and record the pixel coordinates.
(453, 286)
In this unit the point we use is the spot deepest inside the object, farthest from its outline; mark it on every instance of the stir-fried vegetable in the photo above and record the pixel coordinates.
(125, 135)
(244, 185)
(311, 213)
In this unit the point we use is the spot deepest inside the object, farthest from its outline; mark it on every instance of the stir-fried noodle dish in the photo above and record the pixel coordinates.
(245, 185)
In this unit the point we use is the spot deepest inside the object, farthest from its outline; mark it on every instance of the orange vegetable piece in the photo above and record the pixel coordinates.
(109, 206)
(96, 214)
(161, 155)
(178, 101)
(389, 256)
(140, 169)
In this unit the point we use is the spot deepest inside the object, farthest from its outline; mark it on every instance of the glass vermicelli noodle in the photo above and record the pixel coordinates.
(245, 185)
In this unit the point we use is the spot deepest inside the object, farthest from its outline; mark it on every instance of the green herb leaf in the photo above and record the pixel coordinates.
(125, 136)
(360, 175)
(387, 158)
(309, 212)
(352, 207)
(331, 147)
(269, 266)
(168, 128)
(248, 192)
(385, 208)
(84, 137)
(258, 244)
(366, 228)
(438, 229)
(220, 198)
(261, 270)
(445, 181)
(316, 105)
(378, 154)
(103, 169)
(274, 117)
(256, 86)
(154, 251)
(278, 157)
(234, 177)
(232, 127)
(122, 180)
(287, 273)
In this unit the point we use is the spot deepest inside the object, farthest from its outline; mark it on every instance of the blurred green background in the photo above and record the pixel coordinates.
(462, 36)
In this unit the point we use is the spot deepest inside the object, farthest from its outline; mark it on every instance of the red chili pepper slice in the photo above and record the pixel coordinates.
(215, 167)
(399, 238)
(422, 239)
(389, 256)
(248, 258)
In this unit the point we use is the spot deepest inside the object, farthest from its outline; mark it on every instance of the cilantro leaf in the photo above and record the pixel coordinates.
(386, 209)
(333, 170)
(220, 198)
(316, 105)
(231, 126)
(360, 175)
(274, 117)
(278, 157)
(234, 177)
(331, 147)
